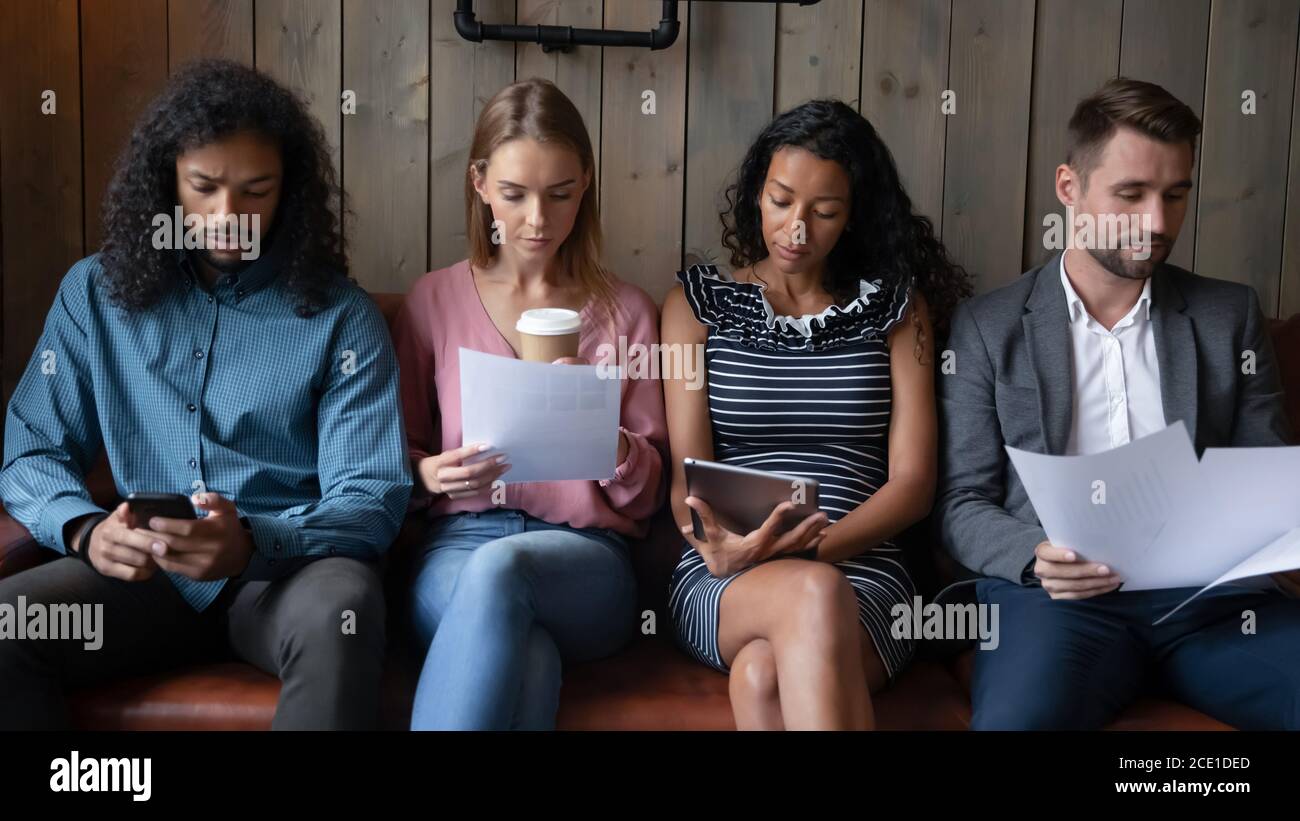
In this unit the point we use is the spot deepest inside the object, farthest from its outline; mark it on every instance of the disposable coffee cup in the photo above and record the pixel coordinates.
(547, 334)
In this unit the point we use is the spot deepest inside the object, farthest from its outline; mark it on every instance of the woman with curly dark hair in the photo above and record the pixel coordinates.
(216, 352)
(819, 353)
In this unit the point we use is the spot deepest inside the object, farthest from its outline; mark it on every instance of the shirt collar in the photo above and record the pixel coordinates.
(1079, 313)
(260, 272)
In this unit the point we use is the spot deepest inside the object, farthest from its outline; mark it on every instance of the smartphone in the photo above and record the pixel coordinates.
(145, 506)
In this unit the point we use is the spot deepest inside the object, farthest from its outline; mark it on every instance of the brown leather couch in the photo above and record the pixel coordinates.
(650, 685)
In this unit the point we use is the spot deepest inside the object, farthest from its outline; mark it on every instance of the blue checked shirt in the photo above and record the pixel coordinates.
(295, 419)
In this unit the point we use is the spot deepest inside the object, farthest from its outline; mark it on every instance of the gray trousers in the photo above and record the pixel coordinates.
(320, 630)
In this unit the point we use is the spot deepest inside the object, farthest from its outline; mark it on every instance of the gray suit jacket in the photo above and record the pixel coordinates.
(1011, 385)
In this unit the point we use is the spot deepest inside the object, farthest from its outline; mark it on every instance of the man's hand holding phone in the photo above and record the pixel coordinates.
(218, 546)
(117, 549)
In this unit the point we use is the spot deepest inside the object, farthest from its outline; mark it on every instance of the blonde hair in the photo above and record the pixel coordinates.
(537, 109)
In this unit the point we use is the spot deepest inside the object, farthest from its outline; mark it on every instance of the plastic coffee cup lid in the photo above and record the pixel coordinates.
(549, 322)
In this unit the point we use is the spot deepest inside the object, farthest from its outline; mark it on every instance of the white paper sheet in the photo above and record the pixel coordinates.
(1162, 519)
(1280, 555)
(1115, 507)
(1261, 486)
(554, 422)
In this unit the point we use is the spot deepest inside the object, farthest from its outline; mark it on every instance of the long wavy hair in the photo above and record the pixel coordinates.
(537, 109)
(204, 102)
(883, 239)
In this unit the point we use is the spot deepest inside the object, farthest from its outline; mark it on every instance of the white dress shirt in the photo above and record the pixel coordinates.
(1116, 376)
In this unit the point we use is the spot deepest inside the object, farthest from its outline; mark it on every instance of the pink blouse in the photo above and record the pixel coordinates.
(443, 313)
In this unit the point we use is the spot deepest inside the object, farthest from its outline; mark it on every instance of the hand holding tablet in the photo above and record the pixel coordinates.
(742, 516)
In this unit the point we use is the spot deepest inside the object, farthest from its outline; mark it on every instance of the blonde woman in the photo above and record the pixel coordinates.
(504, 594)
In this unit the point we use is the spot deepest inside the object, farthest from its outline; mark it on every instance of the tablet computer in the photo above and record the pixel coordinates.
(742, 498)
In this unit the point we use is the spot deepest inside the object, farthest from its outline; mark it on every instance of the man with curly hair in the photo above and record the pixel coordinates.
(265, 389)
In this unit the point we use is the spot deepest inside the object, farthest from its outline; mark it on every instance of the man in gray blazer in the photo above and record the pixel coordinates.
(1101, 345)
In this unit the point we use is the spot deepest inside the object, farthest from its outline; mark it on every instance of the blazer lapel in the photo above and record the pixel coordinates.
(1047, 332)
(1175, 352)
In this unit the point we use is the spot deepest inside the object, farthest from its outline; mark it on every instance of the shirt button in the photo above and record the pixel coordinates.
(194, 463)
(277, 545)
(209, 299)
(240, 292)
(198, 354)
(230, 280)
(190, 407)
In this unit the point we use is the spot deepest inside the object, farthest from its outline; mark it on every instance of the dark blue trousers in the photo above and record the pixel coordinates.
(1076, 664)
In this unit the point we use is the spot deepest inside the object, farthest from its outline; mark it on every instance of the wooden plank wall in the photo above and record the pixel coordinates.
(1244, 158)
(1077, 50)
(983, 173)
(1165, 42)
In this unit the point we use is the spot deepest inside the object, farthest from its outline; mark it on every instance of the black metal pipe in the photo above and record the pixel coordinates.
(566, 37)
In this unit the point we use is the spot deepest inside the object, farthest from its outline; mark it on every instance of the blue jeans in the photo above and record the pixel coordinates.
(499, 599)
(1065, 664)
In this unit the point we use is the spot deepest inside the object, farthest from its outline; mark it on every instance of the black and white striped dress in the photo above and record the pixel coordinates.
(809, 396)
